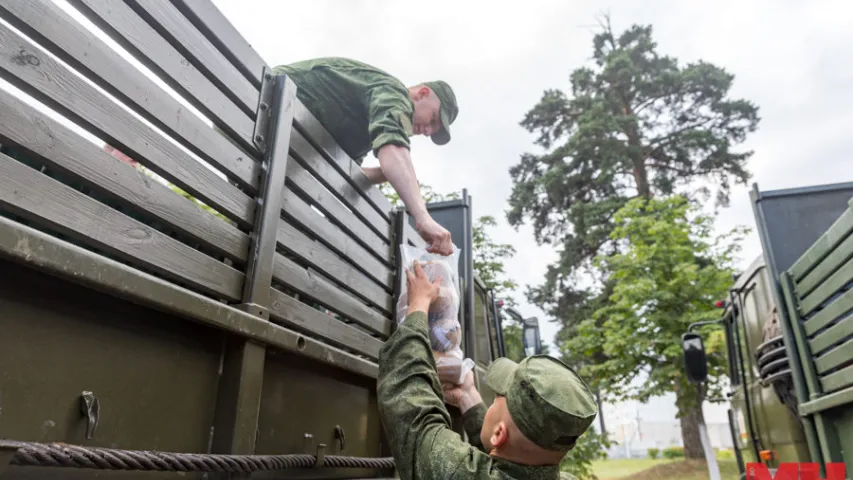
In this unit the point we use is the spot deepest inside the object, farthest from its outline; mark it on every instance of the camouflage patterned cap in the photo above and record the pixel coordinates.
(448, 112)
(548, 401)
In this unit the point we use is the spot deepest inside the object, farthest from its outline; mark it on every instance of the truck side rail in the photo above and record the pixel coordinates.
(237, 210)
(818, 290)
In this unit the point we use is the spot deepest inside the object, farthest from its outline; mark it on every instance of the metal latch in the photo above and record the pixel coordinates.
(91, 409)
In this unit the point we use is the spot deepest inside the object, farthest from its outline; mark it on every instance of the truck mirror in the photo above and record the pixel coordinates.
(695, 360)
(530, 336)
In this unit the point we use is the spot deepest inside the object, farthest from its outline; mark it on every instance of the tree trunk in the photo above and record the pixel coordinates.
(641, 175)
(690, 433)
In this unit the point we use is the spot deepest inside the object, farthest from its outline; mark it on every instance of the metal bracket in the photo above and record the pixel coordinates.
(261, 134)
(321, 456)
(254, 309)
(91, 408)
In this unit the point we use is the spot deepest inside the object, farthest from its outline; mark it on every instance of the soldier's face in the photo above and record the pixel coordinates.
(426, 120)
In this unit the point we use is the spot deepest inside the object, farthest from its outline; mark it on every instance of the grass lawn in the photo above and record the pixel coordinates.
(660, 469)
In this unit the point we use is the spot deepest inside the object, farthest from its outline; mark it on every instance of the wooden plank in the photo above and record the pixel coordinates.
(324, 260)
(195, 47)
(837, 380)
(314, 286)
(53, 84)
(323, 141)
(837, 356)
(130, 31)
(70, 41)
(26, 192)
(52, 256)
(325, 201)
(61, 148)
(832, 335)
(826, 267)
(832, 311)
(293, 313)
(321, 169)
(213, 24)
(298, 210)
(827, 289)
(823, 245)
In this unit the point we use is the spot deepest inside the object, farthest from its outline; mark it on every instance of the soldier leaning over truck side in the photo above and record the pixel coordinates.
(366, 109)
(542, 407)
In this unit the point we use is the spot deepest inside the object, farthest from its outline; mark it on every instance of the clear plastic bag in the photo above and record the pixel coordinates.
(445, 331)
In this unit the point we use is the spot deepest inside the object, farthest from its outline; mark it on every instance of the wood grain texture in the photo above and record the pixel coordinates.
(30, 194)
(130, 31)
(324, 230)
(194, 46)
(71, 153)
(314, 286)
(325, 143)
(70, 41)
(335, 267)
(291, 312)
(213, 24)
(335, 181)
(53, 84)
(309, 187)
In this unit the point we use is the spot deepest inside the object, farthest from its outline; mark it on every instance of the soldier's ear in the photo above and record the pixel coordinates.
(499, 435)
(422, 92)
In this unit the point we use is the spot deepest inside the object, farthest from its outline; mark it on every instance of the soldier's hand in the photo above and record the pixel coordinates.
(436, 236)
(462, 396)
(420, 290)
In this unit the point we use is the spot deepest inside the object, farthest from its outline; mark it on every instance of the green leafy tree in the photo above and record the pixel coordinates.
(635, 123)
(591, 446)
(670, 274)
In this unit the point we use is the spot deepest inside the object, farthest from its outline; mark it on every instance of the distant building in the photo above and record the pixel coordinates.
(636, 427)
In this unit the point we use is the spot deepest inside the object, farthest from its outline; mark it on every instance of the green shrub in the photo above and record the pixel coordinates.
(726, 454)
(654, 452)
(673, 452)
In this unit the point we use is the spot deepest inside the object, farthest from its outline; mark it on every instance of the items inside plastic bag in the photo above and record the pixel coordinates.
(445, 331)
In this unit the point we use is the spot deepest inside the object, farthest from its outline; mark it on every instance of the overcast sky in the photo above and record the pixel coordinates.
(791, 58)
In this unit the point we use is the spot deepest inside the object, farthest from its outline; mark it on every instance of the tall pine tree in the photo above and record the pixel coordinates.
(636, 123)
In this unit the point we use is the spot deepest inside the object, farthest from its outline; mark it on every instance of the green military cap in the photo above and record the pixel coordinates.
(448, 112)
(548, 401)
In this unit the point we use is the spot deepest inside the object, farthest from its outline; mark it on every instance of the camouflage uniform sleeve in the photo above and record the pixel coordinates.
(472, 422)
(390, 116)
(411, 405)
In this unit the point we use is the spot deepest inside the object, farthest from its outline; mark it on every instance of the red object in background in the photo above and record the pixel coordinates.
(720, 304)
(121, 156)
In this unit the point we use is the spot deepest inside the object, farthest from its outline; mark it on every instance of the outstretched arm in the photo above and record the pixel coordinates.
(410, 401)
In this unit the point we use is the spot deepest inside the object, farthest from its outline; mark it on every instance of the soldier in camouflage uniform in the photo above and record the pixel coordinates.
(542, 407)
(365, 109)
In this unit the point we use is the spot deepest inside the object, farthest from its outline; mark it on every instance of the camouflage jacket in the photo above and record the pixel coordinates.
(417, 423)
(362, 107)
